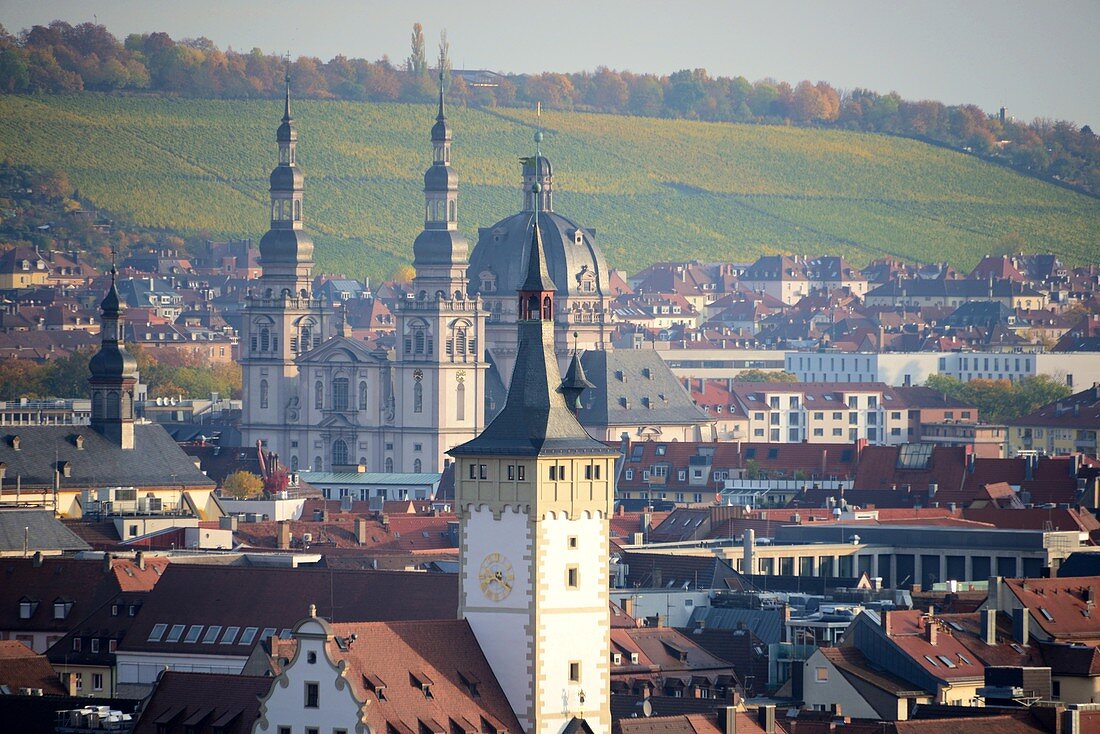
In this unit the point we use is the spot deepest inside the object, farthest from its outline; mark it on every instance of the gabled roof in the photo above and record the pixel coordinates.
(1061, 606)
(39, 529)
(21, 667)
(276, 598)
(634, 387)
(155, 461)
(86, 585)
(202, 703)
(406, 656)
(662, 570)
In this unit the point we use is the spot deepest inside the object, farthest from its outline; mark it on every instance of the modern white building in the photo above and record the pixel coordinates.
(913, 368)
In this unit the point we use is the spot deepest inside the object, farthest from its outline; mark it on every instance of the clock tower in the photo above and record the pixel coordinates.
(533, 493)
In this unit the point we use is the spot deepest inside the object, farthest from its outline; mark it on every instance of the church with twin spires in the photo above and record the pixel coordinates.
(325, 402)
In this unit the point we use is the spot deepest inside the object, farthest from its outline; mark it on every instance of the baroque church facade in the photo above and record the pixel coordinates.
(325, 402)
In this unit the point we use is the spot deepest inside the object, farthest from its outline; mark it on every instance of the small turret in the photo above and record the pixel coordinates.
(574, 384)
(113, 375)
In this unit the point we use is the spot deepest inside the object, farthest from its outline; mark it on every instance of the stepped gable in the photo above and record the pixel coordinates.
(202, 703)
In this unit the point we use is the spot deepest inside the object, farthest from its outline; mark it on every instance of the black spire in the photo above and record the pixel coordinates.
(441, 132)
(286, 104)
(113, 374)
(574, 384)
(538, 277)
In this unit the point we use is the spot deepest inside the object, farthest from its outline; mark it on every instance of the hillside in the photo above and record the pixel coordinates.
(653, 189)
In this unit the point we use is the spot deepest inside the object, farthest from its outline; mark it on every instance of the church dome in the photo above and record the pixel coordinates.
(111, 362)
(440, 178)
(571, 255)
(287, 246)
(439, 247)
(286, 132)
(286, 178)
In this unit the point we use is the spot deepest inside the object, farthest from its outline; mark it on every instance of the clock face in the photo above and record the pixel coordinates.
(496, 576)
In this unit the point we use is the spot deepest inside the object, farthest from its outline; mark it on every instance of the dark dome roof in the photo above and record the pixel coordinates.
(540, 166)
(440, 178)
(285, 246)
(439, 247)
(112, 361)
(503, 250)
(286, 132)
(285, 178)
(440, 130)
(111, 305)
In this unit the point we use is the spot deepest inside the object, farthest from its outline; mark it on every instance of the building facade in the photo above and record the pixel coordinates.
(325, 402)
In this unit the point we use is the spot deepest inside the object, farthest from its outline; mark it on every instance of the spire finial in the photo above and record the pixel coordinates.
(114, 269)
(440, 117)
(286, 79)
(538, 133)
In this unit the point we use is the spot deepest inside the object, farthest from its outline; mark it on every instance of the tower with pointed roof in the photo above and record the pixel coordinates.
(533, 493)
(114, 376)
(282, 319)
(439, 373)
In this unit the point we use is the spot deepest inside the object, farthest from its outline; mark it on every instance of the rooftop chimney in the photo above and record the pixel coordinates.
(765, 717)
(1021, 625)
(989, 626)
(361, 531)
(731, 720)
(886, 623)
(283, 535)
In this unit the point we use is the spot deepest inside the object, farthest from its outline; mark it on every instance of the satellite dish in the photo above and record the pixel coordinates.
(647, 708)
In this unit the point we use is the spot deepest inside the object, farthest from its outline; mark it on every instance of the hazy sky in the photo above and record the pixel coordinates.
(1039, 58)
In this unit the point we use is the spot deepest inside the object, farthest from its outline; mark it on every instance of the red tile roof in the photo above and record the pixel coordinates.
(202, 703)
(908, 631)
(278, 598)
(21, 667)
(1061, 606)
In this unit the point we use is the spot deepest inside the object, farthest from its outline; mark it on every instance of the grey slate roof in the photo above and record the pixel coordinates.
(634, 386)
(44, 532)
(156, 460)
(535, 420)
(767, 624)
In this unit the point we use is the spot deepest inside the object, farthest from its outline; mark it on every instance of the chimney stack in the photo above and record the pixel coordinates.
(886, 622)
(731, 720)
(989, 626)
(765, 717)
(1021, 625)
(361, 531)
(932, 631)
(283, 534)
(139, 559)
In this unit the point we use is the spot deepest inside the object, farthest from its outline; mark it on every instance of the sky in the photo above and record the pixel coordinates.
(1039, 59)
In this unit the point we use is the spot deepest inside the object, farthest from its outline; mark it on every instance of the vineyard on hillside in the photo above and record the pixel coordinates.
(653, 189)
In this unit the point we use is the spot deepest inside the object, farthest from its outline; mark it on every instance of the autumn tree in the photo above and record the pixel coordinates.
(242, 485)
(417, 63)
(755, 375)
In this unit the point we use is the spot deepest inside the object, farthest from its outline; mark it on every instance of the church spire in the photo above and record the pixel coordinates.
(537, 170)
(113, 373)
(440, 251)
(286, 251)
(575, 382)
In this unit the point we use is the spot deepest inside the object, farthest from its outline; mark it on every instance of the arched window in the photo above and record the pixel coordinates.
(317, 466)
(460, 341)
(339, 453)
(340, 393)
(546, 312)
(297, 210)
(418, 398)
(265, 339)
(532, 307)
(319, 395)
(294, 464)
(460, 401)
(418, 466)
(98, 407)
(363, 395)
(418, 340)
(274, 210)
(304, 341)
(453, 213)
(112, 405)
(389, 465)
(263, 393)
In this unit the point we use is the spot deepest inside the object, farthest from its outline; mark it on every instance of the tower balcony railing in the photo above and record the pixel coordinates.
(430, 304)
(252, 301)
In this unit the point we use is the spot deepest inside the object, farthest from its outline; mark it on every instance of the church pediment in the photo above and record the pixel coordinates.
(338, 349)
(336, 421)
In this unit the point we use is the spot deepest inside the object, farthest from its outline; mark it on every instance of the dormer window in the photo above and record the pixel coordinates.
(61, 609)
(27, 608)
